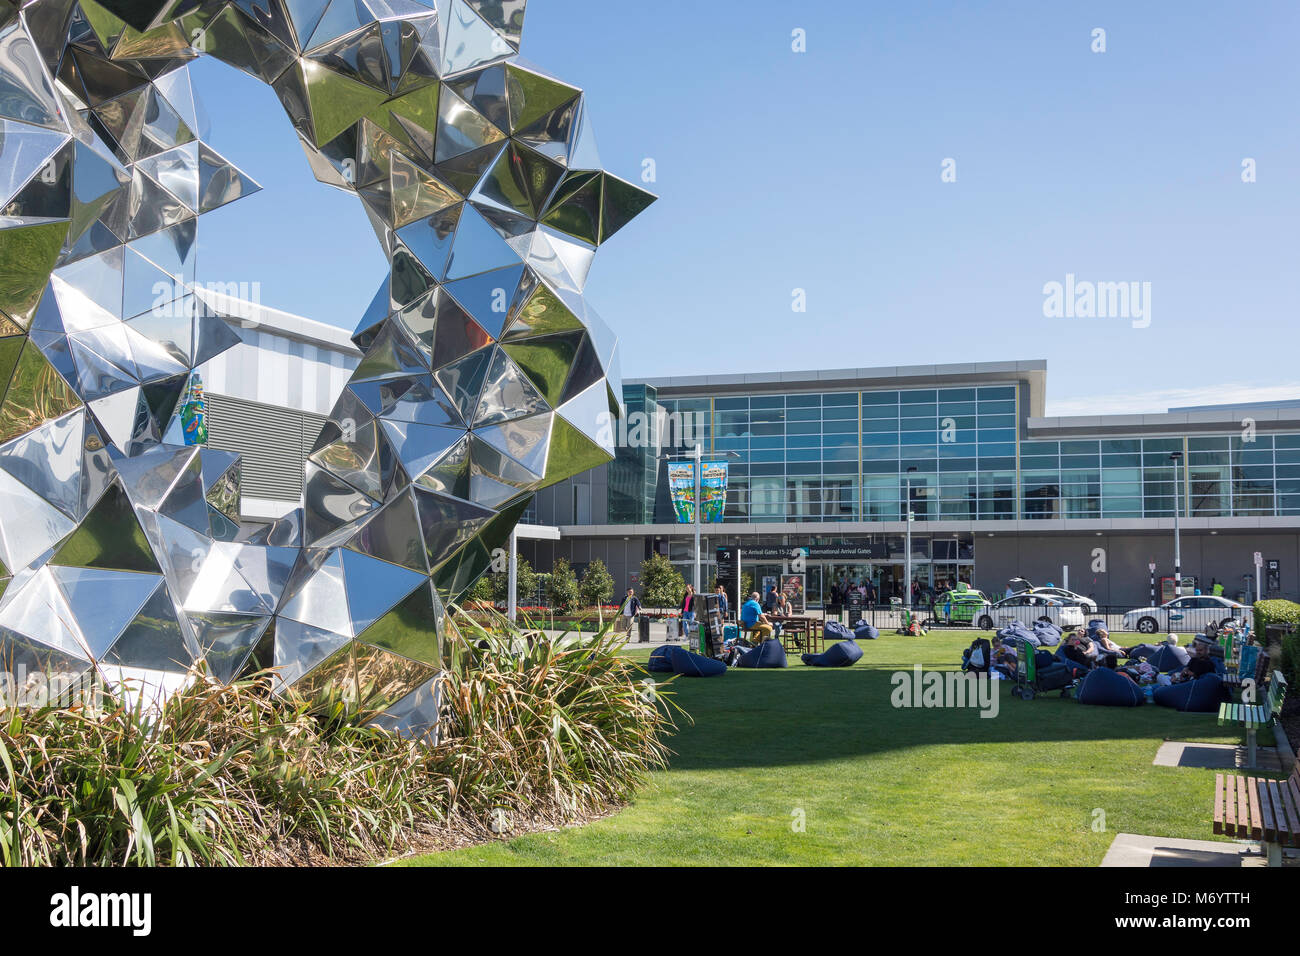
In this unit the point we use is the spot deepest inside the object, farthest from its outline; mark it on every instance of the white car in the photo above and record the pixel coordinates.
(1189, 614)
(1021, 586)
(1028, 607)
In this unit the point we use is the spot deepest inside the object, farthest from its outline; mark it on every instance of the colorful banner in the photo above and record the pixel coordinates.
(713, 490)
(194, 412)
(681, 488)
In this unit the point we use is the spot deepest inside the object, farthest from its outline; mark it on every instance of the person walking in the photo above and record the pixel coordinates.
(631, 608)
(688, 606)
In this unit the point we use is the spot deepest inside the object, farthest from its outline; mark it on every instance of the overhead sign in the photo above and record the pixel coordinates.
(852, 551)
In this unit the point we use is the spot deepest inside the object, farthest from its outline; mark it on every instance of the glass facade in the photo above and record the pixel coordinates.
(858, 455)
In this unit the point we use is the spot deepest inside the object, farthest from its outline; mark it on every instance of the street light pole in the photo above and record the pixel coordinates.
(907, 547)
(1176, 458)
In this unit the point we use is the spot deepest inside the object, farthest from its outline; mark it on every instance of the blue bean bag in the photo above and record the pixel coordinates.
(1049, 635)
(660, 663)
(843, 654)
(1200, 696)
(693, 665)
(866, 632)
(835, 631)
(1169, 658)
(768, 654)
(1016, 631)
(1109, 688)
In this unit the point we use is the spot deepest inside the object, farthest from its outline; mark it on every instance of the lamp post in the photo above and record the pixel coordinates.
(907, 548)
(1176, 458)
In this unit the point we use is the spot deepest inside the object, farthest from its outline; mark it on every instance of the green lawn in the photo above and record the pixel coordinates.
(879, 785)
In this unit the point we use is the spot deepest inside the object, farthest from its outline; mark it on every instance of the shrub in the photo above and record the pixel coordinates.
(543, 730)
(562, 589)
(1286, 614)
(662, 585)
(597, 585)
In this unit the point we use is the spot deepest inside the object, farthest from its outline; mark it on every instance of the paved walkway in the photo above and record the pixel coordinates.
(1132, 850)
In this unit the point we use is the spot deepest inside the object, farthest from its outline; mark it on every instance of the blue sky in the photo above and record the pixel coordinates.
(821, 171)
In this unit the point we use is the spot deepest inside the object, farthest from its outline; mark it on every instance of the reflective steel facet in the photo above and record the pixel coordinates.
(484, 377)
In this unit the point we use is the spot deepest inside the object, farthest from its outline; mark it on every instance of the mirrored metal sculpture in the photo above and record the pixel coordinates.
(485, 375)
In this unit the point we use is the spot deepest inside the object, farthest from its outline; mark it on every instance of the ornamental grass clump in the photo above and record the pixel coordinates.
(534, 732)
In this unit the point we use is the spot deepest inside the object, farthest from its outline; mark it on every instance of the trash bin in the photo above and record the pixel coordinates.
(643, 629)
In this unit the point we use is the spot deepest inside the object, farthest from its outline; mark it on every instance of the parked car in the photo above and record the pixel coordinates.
(1028, 607)
(1185, 614)
(1020, 585)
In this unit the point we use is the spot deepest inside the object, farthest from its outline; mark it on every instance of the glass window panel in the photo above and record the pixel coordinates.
(1260, 457)
(1124, 446)
(1079, 448)
(878, 398)
(840, 398)
(1040, 448)
(880, 453)
(1121, 461)
(995, 463)
(997, 421)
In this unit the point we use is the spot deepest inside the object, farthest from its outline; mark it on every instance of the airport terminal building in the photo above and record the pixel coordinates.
(825, 461)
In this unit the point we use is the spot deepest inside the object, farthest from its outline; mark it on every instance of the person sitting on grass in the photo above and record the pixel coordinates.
(754, 620)
(1005, 660)
(1079, 650)
(1200, 663)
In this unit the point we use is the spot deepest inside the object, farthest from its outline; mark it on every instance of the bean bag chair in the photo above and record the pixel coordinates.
(1200, 696)
(1016, 632)
(1055, 675)
(1108, 688)
(1169, 658)
(866, 632)
(768, 654)
(843, 654)
(835, 631)
(1049, 635)
(693, 665)
(659, 660)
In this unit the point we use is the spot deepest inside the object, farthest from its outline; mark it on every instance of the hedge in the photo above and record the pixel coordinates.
(1287, 613)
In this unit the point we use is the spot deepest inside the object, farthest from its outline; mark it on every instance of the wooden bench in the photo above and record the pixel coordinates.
(1256, 808)
(1253, 716)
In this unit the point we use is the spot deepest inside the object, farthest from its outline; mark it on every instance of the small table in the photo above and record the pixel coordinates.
(802, 634)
